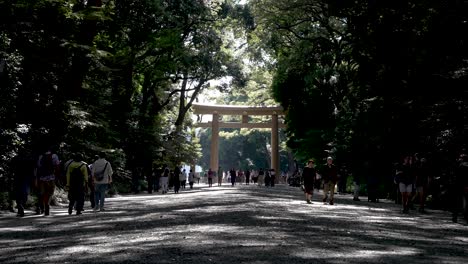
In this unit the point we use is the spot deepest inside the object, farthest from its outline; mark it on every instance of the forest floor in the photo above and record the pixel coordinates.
(242, 224)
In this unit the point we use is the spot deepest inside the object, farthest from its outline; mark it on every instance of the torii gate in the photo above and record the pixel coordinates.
(245, 112)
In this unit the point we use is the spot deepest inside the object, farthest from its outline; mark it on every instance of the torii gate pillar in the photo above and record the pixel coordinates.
(274, 144)
(214, 156)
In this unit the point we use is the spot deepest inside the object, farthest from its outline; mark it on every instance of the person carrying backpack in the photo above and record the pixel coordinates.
(102, 177)
(77, 183)
(46, 172)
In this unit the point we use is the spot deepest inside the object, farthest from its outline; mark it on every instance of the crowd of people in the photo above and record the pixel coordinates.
(38, 176)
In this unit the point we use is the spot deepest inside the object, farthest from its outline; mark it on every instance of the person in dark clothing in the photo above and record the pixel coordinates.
(309, 179)
(272, 177)
(329, 177)
(232, 172)
(23, 174)
(247, 177)
(176, 179)
(267, 178)
(460, 190)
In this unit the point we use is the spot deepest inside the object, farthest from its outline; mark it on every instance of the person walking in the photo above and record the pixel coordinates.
(272, 177)
(330, 177)
(102, 177)
(191, 178)
(404, 177)
(309, 178)
(210, 177)
(22, 166)
(232, 173)
(177, 176)
(47, 170)
(76, 183)
(183, 179)
(247, 176)
(164, 180)
(220, 176)
(261, 177)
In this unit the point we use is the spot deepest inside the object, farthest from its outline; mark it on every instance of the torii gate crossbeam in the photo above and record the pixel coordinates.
(244, 111)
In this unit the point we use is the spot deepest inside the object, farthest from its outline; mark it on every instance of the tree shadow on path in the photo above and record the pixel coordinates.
(245, 224)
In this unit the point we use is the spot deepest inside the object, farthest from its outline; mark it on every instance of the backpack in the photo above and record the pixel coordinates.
(46, 165)
(100, 175)
(76, 176)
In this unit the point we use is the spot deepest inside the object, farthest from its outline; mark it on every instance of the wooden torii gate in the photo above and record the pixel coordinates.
(245, 111)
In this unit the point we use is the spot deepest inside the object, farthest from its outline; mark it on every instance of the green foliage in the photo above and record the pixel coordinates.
(367, 81)
(114, 76)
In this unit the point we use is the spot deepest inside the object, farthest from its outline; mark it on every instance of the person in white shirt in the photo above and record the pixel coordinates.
(102, 176)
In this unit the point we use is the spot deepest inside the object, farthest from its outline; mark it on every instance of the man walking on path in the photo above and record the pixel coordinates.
(330, 177)
(102, 176)
(77, 182)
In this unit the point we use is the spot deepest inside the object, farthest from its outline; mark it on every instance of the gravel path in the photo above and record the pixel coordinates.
(244, 224)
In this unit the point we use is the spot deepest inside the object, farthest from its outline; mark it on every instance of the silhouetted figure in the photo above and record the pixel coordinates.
(22, 166)
(309, 178)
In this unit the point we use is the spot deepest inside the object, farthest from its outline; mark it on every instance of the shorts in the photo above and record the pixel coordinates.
(406, 187)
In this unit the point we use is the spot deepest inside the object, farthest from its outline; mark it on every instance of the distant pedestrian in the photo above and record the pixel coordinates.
(309, 178)
(272, 177)
(357, 185)
(261, 177)
(23, 166)
(183, 179)
(220, 176)
(330, 177)
(163, 181)
(210, 177)
(267, 178)
(247, 177)
(177, 176)
(233, 175)
(191, 178)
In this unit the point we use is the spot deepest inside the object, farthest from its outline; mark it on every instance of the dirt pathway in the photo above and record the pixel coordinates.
(245, 224)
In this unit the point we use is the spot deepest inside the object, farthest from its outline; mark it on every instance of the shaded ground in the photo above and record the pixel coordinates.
(245, 224)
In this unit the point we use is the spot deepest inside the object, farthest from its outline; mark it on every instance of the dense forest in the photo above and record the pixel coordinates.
(364, 81)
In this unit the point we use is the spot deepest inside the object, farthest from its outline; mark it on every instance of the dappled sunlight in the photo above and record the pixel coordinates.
(226, 224)
(358, 254)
